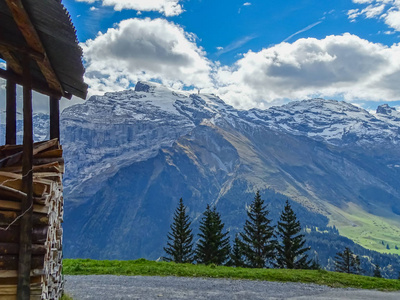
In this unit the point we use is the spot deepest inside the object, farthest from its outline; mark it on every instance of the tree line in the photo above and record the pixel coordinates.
(258, 245)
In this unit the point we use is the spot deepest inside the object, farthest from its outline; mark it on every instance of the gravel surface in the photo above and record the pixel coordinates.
(107, 287)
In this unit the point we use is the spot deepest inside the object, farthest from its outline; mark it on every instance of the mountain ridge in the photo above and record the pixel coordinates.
(131, 155)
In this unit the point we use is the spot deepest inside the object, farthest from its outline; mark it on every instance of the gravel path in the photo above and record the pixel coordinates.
(108, 287)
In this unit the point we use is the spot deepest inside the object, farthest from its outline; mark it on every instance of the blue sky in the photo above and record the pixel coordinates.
(254, 26)
(251, 53)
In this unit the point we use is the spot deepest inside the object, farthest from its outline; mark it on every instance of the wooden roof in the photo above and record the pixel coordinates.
(43, 30)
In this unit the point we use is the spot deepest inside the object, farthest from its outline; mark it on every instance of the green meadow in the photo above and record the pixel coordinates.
(144, 267)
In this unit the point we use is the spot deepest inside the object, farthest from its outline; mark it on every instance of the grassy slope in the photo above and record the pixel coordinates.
(366, 229)
(152, 268)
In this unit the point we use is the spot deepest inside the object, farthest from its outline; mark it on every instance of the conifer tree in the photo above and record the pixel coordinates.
(213, 246)
(377, 271)
(347, 262)
(257, 235)
(236, 256)
(180, 239)
(291, 253)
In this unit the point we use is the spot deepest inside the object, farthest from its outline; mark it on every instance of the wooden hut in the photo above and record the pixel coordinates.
(39, 45)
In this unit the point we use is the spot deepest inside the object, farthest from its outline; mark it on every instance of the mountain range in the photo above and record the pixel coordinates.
(131, 155)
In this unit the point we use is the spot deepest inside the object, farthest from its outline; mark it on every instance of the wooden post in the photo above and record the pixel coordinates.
(54, 118)
(11, 112)
(25, 241)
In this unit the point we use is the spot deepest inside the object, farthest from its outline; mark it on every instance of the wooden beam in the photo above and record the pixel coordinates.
(12, 61)
(54, 118)
(36, 85)
(27, 29)
(25, 238)
(21, 49)
(11, 112)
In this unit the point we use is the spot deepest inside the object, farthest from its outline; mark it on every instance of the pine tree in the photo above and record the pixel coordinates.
(180, 239)
(258, 243)
(213, 246)
(377, 271)
(236, 256)
(315, 265)
(291, 253)
(347, 262)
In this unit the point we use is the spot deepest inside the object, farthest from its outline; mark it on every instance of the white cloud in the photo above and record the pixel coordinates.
(166, 7)
(93, 8)
(144, 49)
(392, 18)
(343, 65)
(246, 4)
(387, 10)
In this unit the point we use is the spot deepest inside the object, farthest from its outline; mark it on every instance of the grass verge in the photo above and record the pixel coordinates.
(151, 268)
(66, 297)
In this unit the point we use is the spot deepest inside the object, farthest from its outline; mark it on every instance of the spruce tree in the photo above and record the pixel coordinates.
(213, 246)
(180, 239)
(377, 271)
(291, 253)
(347, 262)
(258, 242)
(236, 256)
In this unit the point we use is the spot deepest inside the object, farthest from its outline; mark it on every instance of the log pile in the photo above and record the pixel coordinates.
(48, 167)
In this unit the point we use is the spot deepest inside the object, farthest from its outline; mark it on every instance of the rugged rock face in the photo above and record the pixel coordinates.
(131, 155)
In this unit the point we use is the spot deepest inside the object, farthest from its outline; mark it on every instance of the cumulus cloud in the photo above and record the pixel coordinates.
(343, 65)
(166, 7)
(144, 49)
(387, 10)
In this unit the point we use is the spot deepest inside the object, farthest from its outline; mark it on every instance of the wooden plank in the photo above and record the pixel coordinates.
(7, 150)
(13, 248)
(11, 59)
(14, 297)
(15, 181)
(27, 29)
(54, 118)
(11, 111)
(25, 233)
(16, 206)
(50, 154)
(48, 167)
(10, 262)
(16, 157)
(39, 235)
(13, 280)
(11, 47)
(14, 274)
(6, 217)
(10, 193)
(11, 289)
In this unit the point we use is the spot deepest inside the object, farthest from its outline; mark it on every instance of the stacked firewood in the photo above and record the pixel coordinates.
(46, 266)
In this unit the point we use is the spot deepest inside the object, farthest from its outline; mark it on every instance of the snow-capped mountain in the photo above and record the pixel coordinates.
(41, 129)
(131, 155)
(117, 129)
